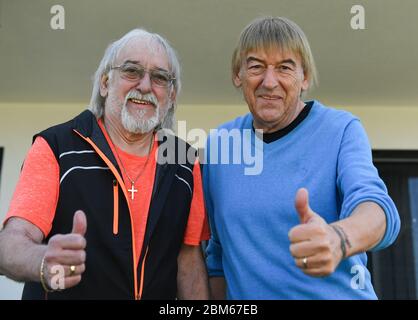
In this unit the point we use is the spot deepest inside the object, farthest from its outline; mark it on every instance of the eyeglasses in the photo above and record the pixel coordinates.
(136, 72)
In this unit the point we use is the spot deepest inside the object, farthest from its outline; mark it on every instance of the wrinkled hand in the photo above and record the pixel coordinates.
(314, 245)
(65, 255)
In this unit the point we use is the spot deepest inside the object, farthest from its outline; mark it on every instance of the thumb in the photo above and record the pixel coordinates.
(79, 223)
(302, 206)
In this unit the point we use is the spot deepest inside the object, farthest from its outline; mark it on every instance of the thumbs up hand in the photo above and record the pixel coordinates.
(79, 223)
(65, 256)
(314, 244)
(306, 214)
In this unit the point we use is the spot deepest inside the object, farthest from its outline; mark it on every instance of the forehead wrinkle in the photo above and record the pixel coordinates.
(286, 55)
(132, 50)
(139, 64)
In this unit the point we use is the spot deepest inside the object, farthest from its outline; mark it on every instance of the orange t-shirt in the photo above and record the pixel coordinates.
(36, 195)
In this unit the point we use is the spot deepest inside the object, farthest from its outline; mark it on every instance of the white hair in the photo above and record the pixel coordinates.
(97, 101)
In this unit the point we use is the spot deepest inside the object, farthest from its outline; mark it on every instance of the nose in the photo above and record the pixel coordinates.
(270, 80)
(144, 84)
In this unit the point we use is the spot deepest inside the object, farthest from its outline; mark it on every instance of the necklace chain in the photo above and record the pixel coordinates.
(133, 181)
(133, 190)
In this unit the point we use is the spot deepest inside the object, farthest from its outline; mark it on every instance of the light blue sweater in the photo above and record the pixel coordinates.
(250, 215)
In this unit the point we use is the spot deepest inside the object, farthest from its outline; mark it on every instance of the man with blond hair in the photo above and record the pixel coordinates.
(96, 214)
(270, 238)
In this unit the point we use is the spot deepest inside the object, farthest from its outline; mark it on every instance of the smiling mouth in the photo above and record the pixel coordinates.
(270, 97)
(143, 102)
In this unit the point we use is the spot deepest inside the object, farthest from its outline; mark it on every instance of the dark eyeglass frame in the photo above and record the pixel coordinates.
(140, 71)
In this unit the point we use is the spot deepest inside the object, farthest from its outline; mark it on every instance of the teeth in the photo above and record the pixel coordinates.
(139, 101)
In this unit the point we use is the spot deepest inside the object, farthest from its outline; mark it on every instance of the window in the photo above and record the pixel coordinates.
(413, 198)
(395, 269)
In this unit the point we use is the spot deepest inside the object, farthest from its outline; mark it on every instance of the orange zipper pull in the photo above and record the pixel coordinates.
(115, 207)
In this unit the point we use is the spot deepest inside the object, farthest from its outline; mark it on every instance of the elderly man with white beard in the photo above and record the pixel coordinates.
(95, 214)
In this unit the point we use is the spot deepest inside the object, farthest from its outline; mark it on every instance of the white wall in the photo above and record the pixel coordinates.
(18, 123)
(388, 128)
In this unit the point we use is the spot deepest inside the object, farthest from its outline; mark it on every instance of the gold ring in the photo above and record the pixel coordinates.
(305, 262)
(72, 270)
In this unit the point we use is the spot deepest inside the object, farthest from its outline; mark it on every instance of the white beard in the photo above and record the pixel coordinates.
(136, 123)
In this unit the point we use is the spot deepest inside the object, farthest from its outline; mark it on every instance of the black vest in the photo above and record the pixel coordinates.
(90, 180)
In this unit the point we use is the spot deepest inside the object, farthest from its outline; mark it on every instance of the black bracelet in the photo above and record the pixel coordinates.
(342, 241)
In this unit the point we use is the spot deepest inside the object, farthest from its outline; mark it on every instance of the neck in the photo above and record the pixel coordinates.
(133, 143)
(282, 123)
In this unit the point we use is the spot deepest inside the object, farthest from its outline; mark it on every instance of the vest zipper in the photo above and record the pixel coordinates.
(120, 180)
(141, 285)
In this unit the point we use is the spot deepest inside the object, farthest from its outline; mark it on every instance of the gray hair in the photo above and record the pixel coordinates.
(111, 54)
(275, 32)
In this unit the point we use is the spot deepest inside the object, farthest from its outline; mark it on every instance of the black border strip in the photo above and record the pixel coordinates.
(1, 160)
(395, 156)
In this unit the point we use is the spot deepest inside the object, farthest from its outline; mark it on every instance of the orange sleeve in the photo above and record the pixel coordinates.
(197, 226)
(36, 194)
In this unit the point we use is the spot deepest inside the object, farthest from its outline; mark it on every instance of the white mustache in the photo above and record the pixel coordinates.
(149, 97)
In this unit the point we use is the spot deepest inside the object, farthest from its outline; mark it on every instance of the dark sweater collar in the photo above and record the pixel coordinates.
(276, 135)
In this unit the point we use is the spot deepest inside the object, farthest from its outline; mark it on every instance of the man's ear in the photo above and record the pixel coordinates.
(237, 80)
(173, 94)
(305, 82)
(104, 82)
